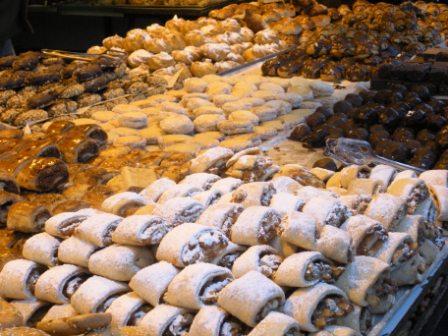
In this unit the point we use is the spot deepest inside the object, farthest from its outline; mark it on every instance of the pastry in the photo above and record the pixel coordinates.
(254, 193)
(214, 321)
(127, 309)
(260, 258)
(18, 279)
(123, 204)
(27, 217)
(64, 224)
(140, 230)
(299, 229)
(413, 190)
(335, 244)
(326, 210)
(164, 319)
(285, 203)
(41, 248)
(98, 229)
(386, 209)
(153, 192)
(179, 210)
(75, 251)
(221, 216)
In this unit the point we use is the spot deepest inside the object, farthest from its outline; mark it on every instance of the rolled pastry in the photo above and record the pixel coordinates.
(221, 216)
(32, 310)
(285, 184)
(123, 204)
(166, 320)
(350, 173)
(387, 209)
(97, 229)
(439, 194)
(179, 190)
(365, 186)
(151, 282)
(254, 193)
(207, 198)
(327, 211)
(197, 285)
(283, 247)
(27, 217)
(18, 279)
(59, 311)
(41, 248)
(76, 251)
(140, 230)
(357, 204)
(405, 174)
(226, 258)
(435, 177)
(202, 181)
(179, 210)
(335, 244)
(127, 310)
(305, 269)
(337, 331)
(384, 174)
(118, 262)
(413, 190)
(153, 192)
(260, 258)
(96, 295)
(251, 298)
(215, 321)
(317, 306)
(59, 283)
(299, 229)
(366, 281)
(284, 203)
(190, 243)
(367, 235)
(256, 225)
(226, 185)
(276, 324)
(360, 320)
(212, 160)
(64, 224)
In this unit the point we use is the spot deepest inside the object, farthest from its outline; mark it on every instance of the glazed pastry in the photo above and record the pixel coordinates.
(305, 269)
(317, 306)
(285, 203)
(256, 225)
(179, 190)
(260, 258)
(59, 283)
(368, 235)
(326, 210)
(151, 282)
(166, 320)
(27, 217)
(179, 210)
(253, 194)
(383, 173)
(18, 279)
(365, 186)
(299, 229)
(413, 190)
(31, 310)
(64, 224)
(197, 285)
(140, 230)
(212, 160)
(222, 216)
(202, 181)
(97, 229)
(127, 310)
(123, 204)
(335, 244)
(96, 295)
(190, 243)
(215, 321)
(251, 298)
(76, 251)
(41, 248)
(366, 281)
(386, 209)
(119, 262)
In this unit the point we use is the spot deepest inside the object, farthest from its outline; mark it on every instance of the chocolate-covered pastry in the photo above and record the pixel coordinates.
(392, 150)
(342, 106)
(354, 99)
(315, 119)
(403, 133)
(300, 132)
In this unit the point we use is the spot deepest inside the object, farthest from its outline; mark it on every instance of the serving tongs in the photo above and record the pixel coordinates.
(354, 151)
(85, 57)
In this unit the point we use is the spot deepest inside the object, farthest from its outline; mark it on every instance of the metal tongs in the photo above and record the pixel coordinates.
(354, 151)
(78, 56)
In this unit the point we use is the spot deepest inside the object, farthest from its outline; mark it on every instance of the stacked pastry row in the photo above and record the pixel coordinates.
(233, 244)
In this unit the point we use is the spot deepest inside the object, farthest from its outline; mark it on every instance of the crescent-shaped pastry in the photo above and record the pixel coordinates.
(366, 281)
(127, 310)
(387, 209)
(335, 244)
(305, 269)
(76, 251)
(413, 190)
(27, 217)
(123, 204)
(118, 262)
(367, 235)
(226, 258)
(32, 310)
(383, 173)
(226, 185)
(18, 279)
(190, 243)
(256, 225)
(365, 186)
(357, 204)
(221, 216)
(285, 203)
(165, 320)
(254, 193)
(285, 184)
(179, 190)
(41, 248)
(151, 282)
(179, 210)
(326, 211)
(251, 298)
(350, 173)
(140, 230)
(299, 229)
(97, 229)
(197, 285)
(202, 181)
(64, 224)
(59, 283)
(153, 192)
(317, 306)
(260, 258)
(439, 194)
(215, 321)
(96, 295)
(276, 324)
(435, 177)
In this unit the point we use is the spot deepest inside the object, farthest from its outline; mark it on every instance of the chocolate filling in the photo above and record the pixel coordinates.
(329, 310)
(108, 234)
(52, 177)
(40, 218)
(321, 270)
(38, 315)
(375, 237)
(86, 151)
(229, 259)
(179, 326)
(106, 303)
(210, 291)
(68, 226)
(138, 315)
(4, 208)
(188, 215)
(204, 247)
(337, 215)
(33, 277)
(231, 327)
(269, 263)
(293, 331)
(73, 283)
(268, 226)
(267, 194)
(403, 253)
(417, 196)
(272, 305)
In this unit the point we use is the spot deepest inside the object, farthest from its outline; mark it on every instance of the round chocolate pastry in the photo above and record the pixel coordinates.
(367, 95)
(326, 163)
(358, 73)
(300, 132)
(401, 108)
(269, 68)
(335, 132)
(393, 150)
(315, 119)
(398, 88)
(435, 121)
(424, 158)
(388, 116)
(342, 106)
(387, 96)
(425, 108)
(402, 133)
(414, 117)
(377, 128)
(354, 99)
(436, 104)
(317, 137)
(348, 125)
(425, 135)
(413, 145)
(311, 68)
(412, 99)
(368, 113)
(289, 69)
(332, 72)
(358, 133)
(326, 111)
(338, 120)
(442, 137)
(422, 91)
(442, 163)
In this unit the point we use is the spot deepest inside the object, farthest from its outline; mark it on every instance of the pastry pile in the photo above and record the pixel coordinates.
(220, 256)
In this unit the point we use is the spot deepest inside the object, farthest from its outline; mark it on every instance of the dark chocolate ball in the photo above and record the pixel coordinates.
(425, 107)
(326, 163)
(388, 116)
(412, 99)
(393, 150)
(436, 104)
(413, 145)
(326, 111)
(422, 91)
(367, 96)
(402, 134)
(388, 96)
(354, 99)
(414, 117)
(315, 119)
(425, 135)
(300, 132)
(399, 88)
(335, 132)
(338, 120)
(342, 106)
(435, 121)
(358, 133)
(442, 137)
(317, 137)
(424, 158)
(368, 113)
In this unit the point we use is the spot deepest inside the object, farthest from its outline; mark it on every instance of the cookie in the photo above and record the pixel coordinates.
(151, 134)
(265, 113)
(207, 122)
(208, 109)
(125, 108)
(221, 99)
(195, 85)
(229, 127)
(244, 116)
(321, 89)
(179, 124)
(135, 120)
(265, 132)
(133, 141)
